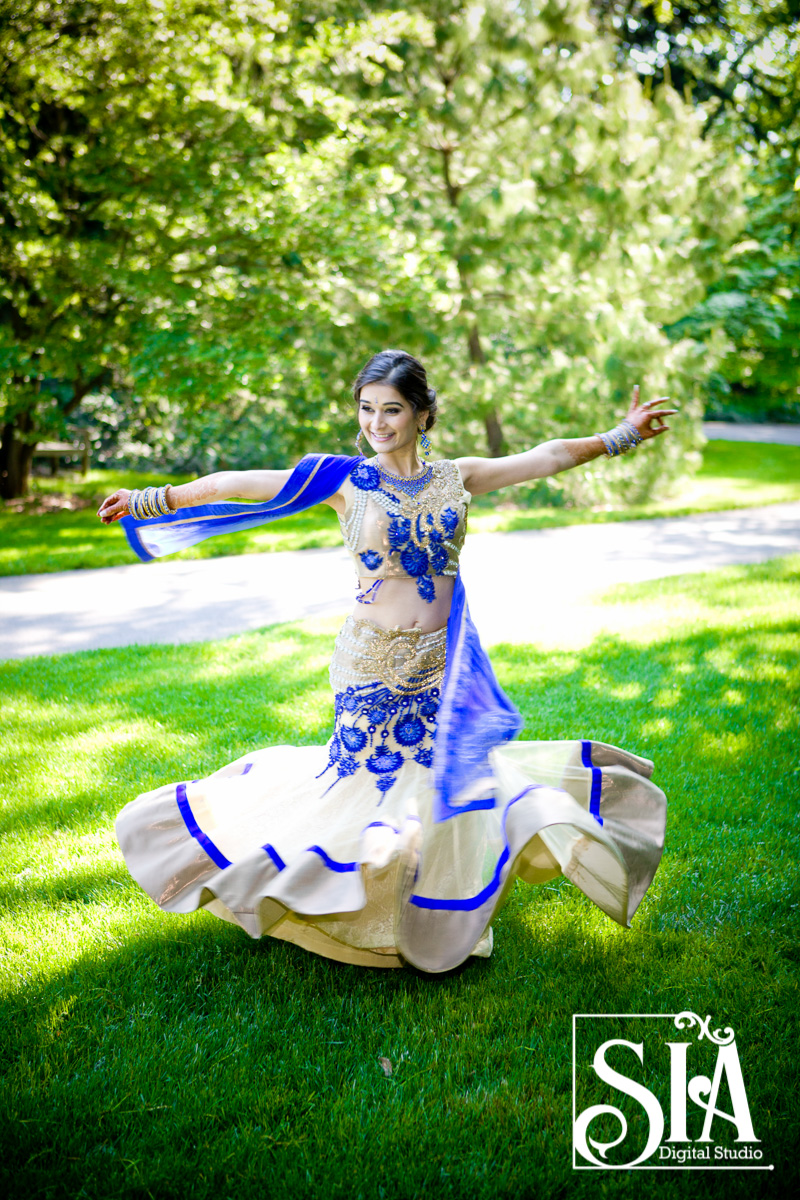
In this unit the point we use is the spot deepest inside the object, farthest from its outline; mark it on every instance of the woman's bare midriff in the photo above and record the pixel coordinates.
(398, 604)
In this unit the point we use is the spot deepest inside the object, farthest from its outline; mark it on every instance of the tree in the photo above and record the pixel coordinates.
(152, 241)
(216, 209)
(739, 63)
(561, 215)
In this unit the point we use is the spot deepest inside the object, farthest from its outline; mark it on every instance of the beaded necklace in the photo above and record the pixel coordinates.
(409, 485)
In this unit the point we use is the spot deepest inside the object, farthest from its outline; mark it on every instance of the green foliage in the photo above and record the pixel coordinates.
(739, 64)
(216, 213)
(561, 217)
(756, 303)
(142, 1049)
(153, 241)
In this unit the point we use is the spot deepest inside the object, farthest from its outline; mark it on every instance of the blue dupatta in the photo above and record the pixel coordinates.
(475, 714)
(315, 478)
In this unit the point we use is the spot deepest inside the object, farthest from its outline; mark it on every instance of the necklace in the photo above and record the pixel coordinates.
(409, 485)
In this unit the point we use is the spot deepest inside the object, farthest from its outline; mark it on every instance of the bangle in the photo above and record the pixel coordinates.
(158, 504)
(620, 439)
(149, 503)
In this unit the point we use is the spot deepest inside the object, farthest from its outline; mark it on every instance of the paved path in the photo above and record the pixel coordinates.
(729, 431)
(514, 580)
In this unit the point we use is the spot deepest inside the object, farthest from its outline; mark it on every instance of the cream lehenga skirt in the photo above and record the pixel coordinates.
(335, 847)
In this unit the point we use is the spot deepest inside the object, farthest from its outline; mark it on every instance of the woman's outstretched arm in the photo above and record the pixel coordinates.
(208, 489)
(482, 475)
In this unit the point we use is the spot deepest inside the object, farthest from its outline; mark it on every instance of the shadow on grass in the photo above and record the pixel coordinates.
(79, 885)
(177, 1048)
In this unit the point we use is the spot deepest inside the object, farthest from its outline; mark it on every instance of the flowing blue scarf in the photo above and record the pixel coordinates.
(315, 478)
(475, 715)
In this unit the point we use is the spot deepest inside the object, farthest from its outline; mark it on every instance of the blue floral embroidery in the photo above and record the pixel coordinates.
(409, 730)
(414, 560)
(374, 713)
(366, 477)
(449, 519)
(426, 589)
(347, 765)
(439, 558)
(353, 739)
(384, 761)
(399, 532)
(410, 538)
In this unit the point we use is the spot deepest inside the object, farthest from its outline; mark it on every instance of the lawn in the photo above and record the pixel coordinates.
(58, 530)
(148, 1055)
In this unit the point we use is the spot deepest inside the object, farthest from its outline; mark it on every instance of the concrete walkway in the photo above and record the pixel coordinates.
(515, 582)
(729, 431)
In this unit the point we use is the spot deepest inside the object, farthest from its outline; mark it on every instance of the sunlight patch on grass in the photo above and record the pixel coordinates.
(731, 745)
(645, 612)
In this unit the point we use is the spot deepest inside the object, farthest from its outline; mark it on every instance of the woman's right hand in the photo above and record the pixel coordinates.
(114, 506)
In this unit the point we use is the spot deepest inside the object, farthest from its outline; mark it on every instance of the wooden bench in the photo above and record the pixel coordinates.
(58, 450)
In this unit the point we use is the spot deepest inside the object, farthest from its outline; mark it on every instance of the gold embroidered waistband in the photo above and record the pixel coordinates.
(405, 660)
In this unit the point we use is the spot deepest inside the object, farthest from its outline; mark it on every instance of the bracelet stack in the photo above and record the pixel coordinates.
(151, 502)
(621, 439)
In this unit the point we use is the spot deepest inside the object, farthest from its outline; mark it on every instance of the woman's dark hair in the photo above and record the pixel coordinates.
(403, 372)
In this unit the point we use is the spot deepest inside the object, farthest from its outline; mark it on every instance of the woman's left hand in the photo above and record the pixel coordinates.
(647, 418)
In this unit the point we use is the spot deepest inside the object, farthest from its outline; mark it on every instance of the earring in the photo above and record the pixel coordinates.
(425, 442)
(358, 443)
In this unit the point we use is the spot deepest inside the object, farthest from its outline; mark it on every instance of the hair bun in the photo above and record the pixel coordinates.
(430, 420)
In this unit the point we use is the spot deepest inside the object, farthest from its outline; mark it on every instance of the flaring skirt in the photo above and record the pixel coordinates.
(335, 847)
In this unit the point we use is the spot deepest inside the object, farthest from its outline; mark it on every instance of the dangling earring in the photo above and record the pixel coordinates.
(358, 443)
(425, 442)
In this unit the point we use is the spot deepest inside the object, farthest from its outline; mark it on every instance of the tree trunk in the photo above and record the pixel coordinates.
(494, 430)
(494, 433)
(16, 456)
(491, 421)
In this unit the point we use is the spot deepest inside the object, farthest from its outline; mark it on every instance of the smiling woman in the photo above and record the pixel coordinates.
(398, 841)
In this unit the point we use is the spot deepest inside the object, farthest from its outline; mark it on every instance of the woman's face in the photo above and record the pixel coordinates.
(387, 419)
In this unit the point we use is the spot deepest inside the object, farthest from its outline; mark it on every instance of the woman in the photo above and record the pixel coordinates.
(398, 841)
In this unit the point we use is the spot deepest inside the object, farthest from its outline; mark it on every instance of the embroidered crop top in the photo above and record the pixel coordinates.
(406, 529)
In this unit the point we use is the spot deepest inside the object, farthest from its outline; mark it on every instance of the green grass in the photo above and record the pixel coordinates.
(36, 539)
(148, 1055)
